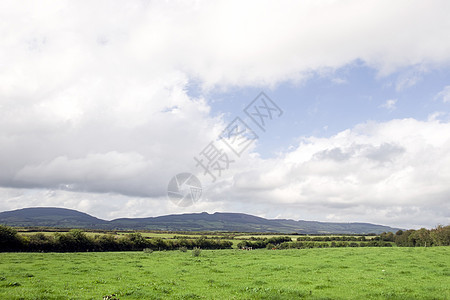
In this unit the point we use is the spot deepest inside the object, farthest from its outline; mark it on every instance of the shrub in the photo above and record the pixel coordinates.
(196, 252)
(137, 241)
(9, 240)
(284, 245)
(441, 235)
(183, 249)
(244, 244)
(276, 240)
(147, 250)
(270, 246)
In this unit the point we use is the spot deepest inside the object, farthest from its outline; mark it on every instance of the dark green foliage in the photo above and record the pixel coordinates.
(74, 240)
(311, 244)
(331, 238)
(421, 238)
(402, 240)
(279, 239)
(78, 241)
(9, 239)
(439, 236)
(259, 243)
(107, 242)
(387, 236)
(270, 246)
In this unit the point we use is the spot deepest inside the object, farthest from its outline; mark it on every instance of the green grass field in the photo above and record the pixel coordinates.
(337, 273)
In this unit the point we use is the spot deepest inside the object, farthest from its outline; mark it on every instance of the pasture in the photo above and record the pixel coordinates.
(331, 273)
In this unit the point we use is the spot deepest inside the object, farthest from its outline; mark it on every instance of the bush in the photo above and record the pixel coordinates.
(9, 240)
(270, 246)
(284, 245)
(196, 252)
(147, 250)
(276, 240)
(183, 249)
(244, 244)
(441, 235)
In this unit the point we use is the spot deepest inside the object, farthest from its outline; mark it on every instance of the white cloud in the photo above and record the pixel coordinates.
(393, 173)
(339, 81)
(444, 94)
(409, 79)
(390, 104)
(221, 43)
(93, 96)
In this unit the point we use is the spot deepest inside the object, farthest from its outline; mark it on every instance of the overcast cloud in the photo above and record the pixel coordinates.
(95, 112)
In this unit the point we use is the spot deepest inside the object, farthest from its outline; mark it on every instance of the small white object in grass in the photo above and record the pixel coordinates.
(382, 270)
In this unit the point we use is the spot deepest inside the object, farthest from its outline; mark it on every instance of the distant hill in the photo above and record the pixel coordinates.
(50, 217)
(67, 218)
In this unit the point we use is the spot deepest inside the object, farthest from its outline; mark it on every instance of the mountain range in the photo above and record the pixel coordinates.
(237, 222)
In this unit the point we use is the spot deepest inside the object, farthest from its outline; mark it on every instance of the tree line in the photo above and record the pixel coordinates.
(332, 238)
(76, 241)
(439, 236)
(302, 243)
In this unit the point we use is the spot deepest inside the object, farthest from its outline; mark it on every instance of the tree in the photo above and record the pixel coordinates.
(421, 238)
(441, 235)
(270, 246)
(107, 242)
(40, 242)
(9, 240)
(402, 240)
(137, 241)
(387, 236)
(74, 240)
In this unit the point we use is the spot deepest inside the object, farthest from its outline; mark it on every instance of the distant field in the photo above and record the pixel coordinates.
(294, 236)
(163, 235)
(338, 273)
(172, 235)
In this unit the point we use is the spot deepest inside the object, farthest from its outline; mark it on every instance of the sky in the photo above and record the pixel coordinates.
(102, 103)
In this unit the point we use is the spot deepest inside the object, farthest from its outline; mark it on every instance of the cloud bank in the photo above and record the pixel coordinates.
(94, 105)
(396, 172)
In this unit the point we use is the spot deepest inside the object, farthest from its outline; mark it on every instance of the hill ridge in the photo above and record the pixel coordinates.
(217, 221)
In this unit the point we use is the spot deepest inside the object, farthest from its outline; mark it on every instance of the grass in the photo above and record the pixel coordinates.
(337, 273)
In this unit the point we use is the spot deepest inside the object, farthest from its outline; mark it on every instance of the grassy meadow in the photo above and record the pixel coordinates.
(332, 273)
